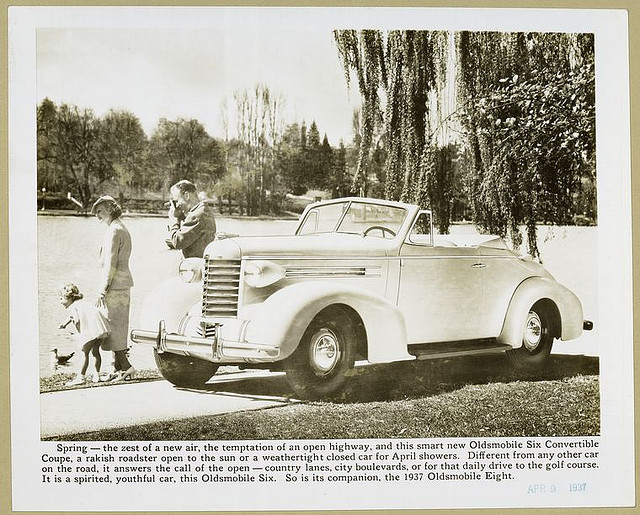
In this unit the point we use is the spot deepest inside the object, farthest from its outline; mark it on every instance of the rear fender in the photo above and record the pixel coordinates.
(283, 318)
(526, 295)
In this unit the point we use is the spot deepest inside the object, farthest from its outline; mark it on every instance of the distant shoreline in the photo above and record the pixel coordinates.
(128, 214)
(287, 216)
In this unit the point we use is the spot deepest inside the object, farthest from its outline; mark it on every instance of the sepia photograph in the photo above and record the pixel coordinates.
(321, 249)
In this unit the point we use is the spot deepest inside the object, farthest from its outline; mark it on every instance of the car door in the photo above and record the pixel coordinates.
(440, 290)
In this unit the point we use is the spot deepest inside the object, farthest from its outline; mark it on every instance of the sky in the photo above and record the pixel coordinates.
(187, 73)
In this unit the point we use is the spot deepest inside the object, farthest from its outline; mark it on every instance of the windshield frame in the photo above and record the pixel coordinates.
(348, 203)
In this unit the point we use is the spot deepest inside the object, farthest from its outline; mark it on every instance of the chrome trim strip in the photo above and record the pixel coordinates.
(332, 271)
(468, 352)
(377, 258)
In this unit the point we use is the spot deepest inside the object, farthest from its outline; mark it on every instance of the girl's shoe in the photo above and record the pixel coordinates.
(79, 379)
(95, 378)
(104, 376)
(128, 374)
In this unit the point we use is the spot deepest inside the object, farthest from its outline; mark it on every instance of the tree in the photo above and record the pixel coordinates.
(371, 182)
(312, 157)
(405, 66)
(437, 175)
(529, 114)
(312, 167)
(325, 160)
(290, 160)
(182, 149)
(50, 173)
(525, 105)
(123, 146)
(74, 140)
(303, 162)
(364, 54)
(229, 189)
(259, 128)
(317, 159)
(78, 152)
(339, 181)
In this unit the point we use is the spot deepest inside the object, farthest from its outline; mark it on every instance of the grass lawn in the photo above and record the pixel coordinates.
(56, 382)
(459, 397)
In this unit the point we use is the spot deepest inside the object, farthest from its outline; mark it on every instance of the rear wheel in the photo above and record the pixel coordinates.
(326, 353)
(537, 341)
(184, 370)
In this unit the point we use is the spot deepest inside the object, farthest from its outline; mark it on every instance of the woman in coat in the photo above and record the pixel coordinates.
(116, 282)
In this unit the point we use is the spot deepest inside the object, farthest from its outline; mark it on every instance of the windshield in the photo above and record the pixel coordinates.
(354, 218)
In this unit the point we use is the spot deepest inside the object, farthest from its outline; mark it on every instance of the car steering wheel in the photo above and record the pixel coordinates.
(381, 228)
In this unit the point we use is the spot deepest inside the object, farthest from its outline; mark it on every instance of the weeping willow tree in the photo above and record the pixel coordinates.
(525, 107)
(404, 68)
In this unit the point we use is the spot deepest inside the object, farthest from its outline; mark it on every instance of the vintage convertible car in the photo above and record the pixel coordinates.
(360, 280)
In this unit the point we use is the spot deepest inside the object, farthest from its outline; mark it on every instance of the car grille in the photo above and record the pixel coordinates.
(221, 284)
(205, 330)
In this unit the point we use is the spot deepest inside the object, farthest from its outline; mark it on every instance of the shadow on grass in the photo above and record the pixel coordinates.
(415, 379)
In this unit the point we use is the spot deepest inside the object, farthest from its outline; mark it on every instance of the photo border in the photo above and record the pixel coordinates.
(634, 45)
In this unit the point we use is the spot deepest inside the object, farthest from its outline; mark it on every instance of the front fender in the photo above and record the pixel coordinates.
(527, 294)
(282, 319)
(170, 301)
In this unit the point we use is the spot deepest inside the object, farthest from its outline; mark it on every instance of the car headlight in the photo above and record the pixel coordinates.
(190, 269)
(259, 274)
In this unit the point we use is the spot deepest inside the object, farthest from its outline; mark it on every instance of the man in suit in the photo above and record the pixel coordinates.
(192, 225)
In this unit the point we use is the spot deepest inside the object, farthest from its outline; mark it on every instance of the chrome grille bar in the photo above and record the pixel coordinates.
(205, 330)
(221, 285)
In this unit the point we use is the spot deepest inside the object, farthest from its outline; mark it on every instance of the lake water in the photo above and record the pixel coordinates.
(68, 252)
(68, 249)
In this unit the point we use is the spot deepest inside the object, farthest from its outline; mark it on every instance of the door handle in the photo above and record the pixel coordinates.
(478, 265)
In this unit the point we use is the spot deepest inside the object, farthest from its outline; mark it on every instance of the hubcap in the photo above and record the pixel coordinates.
(532, 331)
(324, 352)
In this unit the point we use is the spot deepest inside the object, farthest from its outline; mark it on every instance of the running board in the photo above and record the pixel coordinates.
(450, 349)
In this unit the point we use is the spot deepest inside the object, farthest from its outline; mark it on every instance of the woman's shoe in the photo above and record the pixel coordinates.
(115, 376)
(127, 375)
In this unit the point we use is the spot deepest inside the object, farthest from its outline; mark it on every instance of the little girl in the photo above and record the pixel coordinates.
(91, 327)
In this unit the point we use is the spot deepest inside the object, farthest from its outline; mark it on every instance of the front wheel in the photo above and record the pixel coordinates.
(326, 353)
(184, 371)
(536, 342)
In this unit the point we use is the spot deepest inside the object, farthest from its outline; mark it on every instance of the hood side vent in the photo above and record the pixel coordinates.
(332, 271)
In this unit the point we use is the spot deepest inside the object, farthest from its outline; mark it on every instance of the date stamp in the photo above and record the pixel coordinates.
(541, 488)
(577, 487)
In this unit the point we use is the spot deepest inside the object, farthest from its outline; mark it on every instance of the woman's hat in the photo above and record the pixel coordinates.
(105, 199)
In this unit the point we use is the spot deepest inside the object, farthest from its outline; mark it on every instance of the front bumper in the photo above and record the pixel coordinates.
(215, 349)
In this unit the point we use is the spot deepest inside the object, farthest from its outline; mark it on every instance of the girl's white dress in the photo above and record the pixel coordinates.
(89, 321)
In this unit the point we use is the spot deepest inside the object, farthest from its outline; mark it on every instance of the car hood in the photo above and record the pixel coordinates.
(316, 245)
